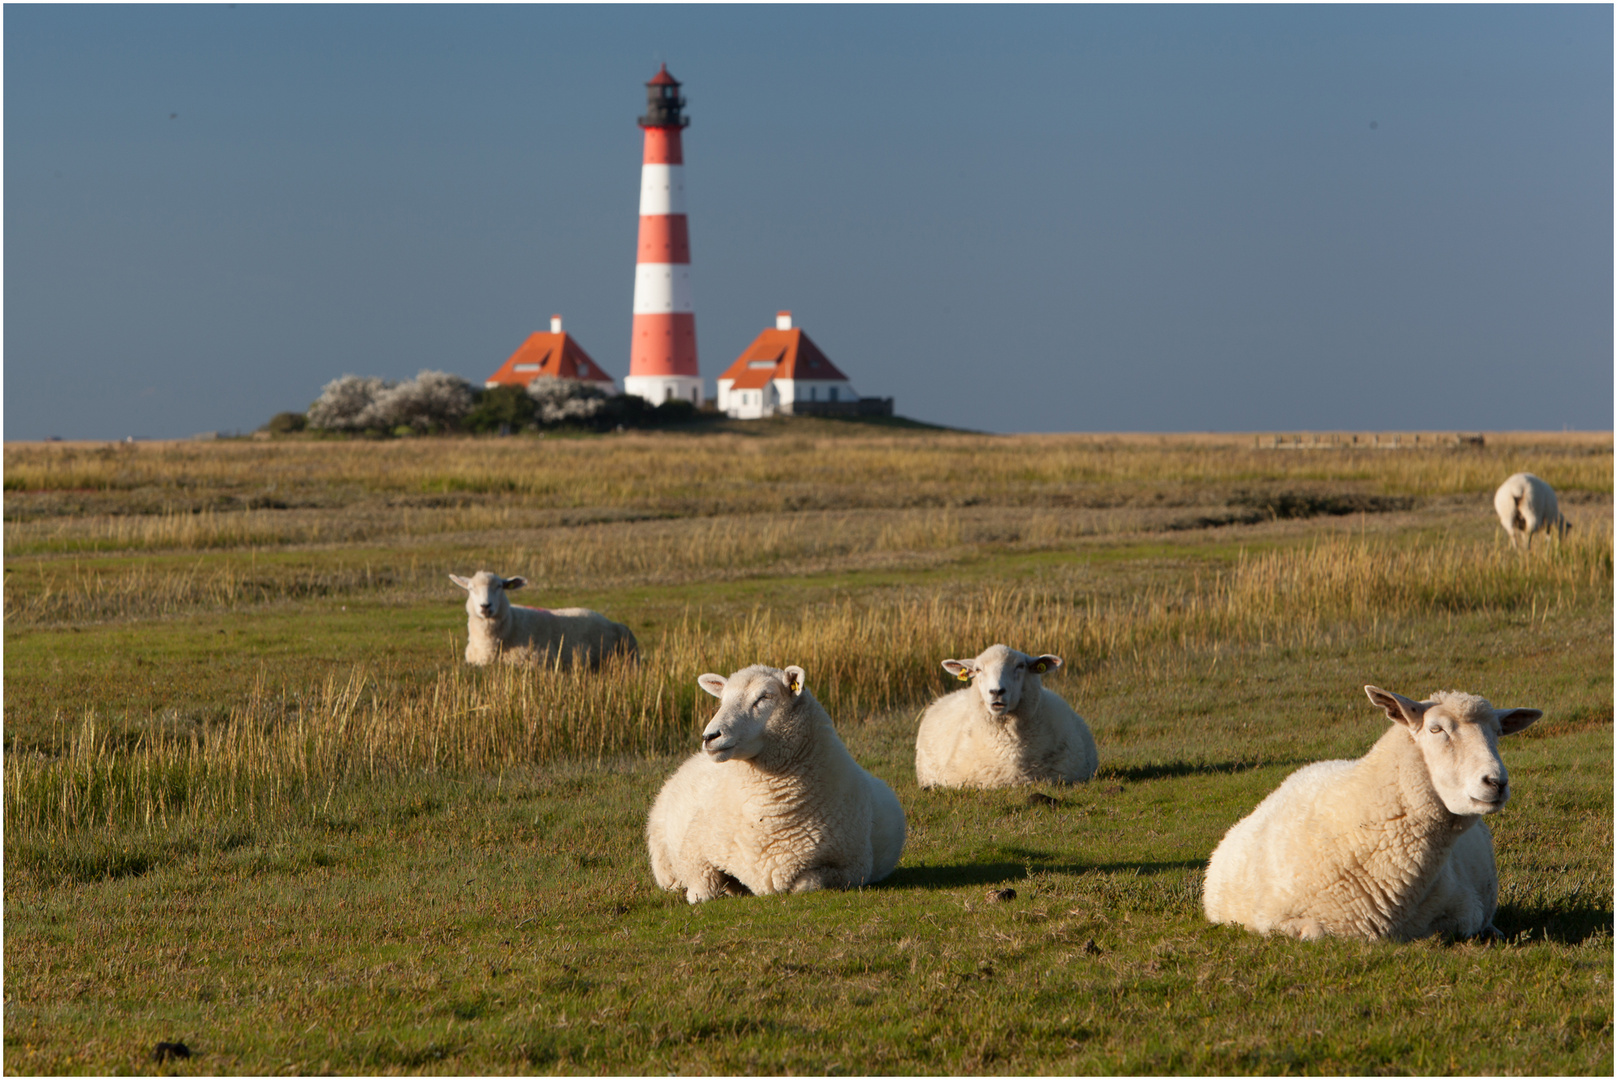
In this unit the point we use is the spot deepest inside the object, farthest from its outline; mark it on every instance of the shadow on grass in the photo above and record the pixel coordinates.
(992, 873)
(1184, 768)
(1571, 925)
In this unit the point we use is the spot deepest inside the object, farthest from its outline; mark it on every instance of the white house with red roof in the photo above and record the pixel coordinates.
(781, 370)
(555, 355)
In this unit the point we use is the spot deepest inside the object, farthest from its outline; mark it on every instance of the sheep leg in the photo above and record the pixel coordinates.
(820, 877)
(1304, 928)
(711, 883)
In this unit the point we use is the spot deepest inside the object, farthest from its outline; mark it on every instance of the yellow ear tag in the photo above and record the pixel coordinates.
(791, 683)
(1040, 668)
(964, 676)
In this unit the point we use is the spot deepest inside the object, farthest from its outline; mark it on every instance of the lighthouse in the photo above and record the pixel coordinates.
(662, 356)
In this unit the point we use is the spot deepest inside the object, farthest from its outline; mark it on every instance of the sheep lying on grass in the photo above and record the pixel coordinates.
(1525, 504)
(1004, 729)
(773, 802)
(499, 629)
(1389, 846)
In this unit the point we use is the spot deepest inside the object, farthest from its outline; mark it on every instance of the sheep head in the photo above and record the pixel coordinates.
(1458, 735)
(756, 704)
(1003, 676)
(485, 593)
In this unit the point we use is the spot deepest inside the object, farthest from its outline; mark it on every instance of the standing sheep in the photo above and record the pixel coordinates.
(1525, 504)
(1004, 729)
(1389, 846)
(499, 629)
(773, 802)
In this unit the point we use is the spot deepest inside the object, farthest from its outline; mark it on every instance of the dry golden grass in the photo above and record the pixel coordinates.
(795, 467)
(875, 655)
(401, 554)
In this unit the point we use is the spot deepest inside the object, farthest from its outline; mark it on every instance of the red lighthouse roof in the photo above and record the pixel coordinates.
(781, 354)
(662, 78)
(553, 355)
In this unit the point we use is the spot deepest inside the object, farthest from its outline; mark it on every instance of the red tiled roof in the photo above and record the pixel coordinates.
(790, 354)
(753, 379)
(554, 355)
(662, 78)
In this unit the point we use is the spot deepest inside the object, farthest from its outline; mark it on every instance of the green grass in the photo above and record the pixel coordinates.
(288, 828)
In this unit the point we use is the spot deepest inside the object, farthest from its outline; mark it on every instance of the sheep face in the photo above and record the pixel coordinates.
(485, 593)
(1458, 735)
(1003, 676)
(754, 703)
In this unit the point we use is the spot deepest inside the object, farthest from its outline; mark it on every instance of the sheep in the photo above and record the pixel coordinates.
(1005, 729)
(773, 802)
(1525, 504)
(499, 629)
(1391, 845)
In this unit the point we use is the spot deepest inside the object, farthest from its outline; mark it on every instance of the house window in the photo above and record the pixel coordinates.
(833, 393)
(668, 393)
(524, 367)
(814, 393)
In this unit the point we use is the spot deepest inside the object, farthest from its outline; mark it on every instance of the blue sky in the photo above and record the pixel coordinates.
(1087, 218)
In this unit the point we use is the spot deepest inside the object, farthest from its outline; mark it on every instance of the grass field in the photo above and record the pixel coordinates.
(255, 803)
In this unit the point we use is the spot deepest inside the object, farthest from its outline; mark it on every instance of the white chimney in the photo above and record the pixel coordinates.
(555, 324)
(783, 320)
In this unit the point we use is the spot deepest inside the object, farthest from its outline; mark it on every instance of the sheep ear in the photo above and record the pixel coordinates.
(465, 583)
(1044, 663)
(960, 669)
(1513, 720)
(794, 679)
(515, 583)
(1399, 709)
(713, 684)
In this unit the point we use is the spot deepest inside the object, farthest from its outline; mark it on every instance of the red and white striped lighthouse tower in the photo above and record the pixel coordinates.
(662, 357)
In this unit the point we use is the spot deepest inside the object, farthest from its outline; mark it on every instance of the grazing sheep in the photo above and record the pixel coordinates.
(1525, 504)
(773, 802)
(1389, 846)
(499, 629)
(1004, 729)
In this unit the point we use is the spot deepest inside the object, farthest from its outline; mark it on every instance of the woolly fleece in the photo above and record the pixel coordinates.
(1033, 737)
(773, 802)
(1391, 845)
(1525, 505)
(497, 629)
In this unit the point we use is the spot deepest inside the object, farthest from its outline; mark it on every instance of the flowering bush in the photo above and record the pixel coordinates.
(566, 401)
(343, 403)
(433, 400)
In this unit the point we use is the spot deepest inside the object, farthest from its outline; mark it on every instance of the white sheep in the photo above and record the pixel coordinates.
(773, 802)
(1525, 504)
(499, 629)
(1006, 728)
(1389, 846)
